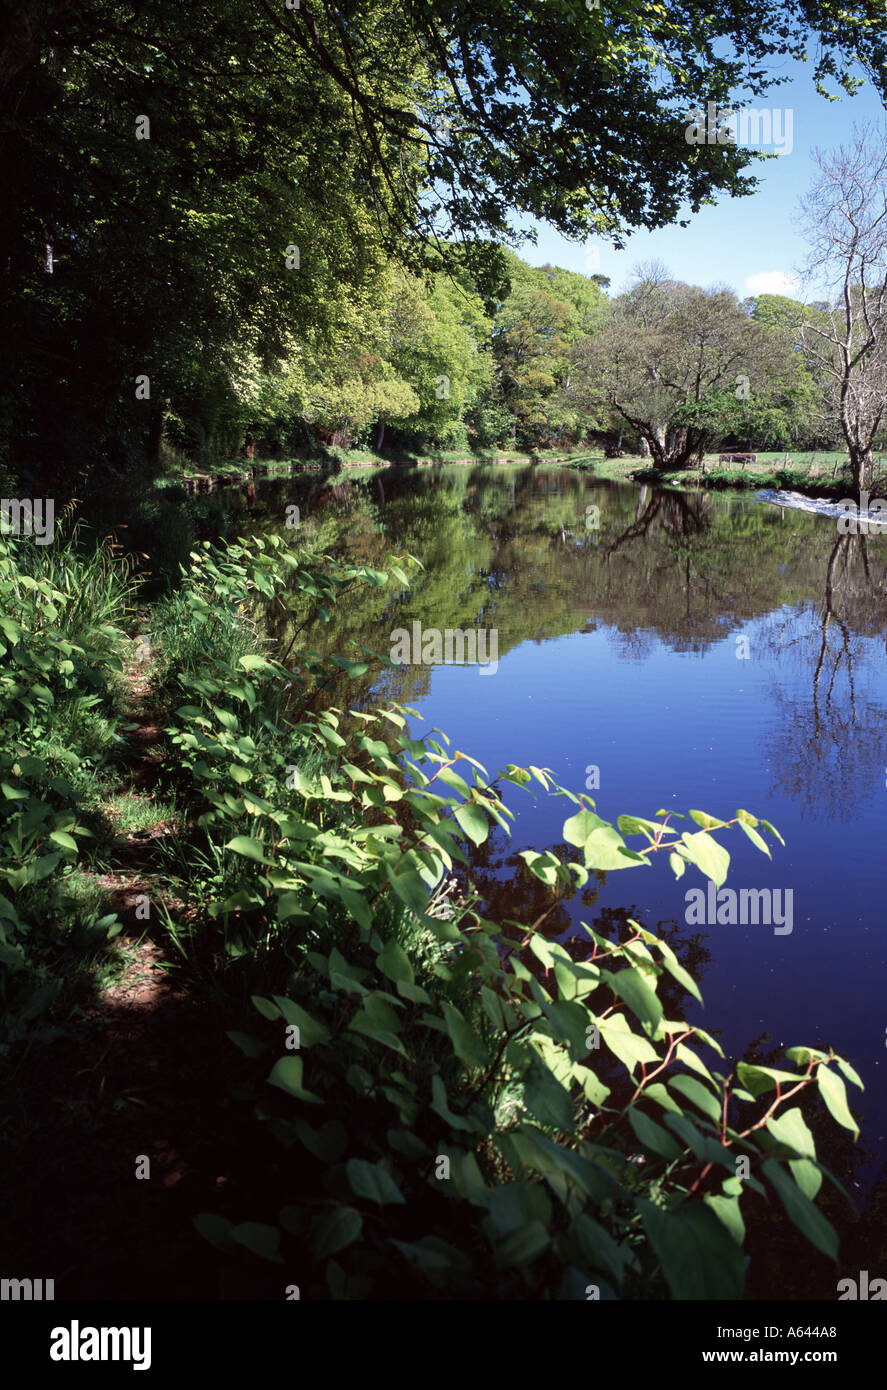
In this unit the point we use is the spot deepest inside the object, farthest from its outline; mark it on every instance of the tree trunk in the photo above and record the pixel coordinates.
(155, 434)
(863, 469)
(380, 435)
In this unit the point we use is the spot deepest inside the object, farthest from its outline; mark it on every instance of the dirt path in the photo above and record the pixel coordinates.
(121, 1130)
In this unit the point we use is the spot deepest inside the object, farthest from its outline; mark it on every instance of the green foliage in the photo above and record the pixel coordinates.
(160, 170)
(471, 1107)
(59, 646)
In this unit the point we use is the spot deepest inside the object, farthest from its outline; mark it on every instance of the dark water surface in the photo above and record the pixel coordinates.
(620, 649)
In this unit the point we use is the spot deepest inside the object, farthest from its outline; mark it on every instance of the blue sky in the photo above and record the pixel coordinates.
(750, 244)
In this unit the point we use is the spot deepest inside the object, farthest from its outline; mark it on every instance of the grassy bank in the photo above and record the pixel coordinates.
(258, 1017)
(814, 473)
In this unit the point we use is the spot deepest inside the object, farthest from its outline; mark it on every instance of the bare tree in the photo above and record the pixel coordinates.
(845, 216)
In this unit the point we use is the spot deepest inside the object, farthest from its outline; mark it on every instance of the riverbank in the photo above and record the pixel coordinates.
(813, 474)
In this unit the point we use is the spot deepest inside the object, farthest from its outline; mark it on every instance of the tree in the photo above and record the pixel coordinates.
(161, 159)
(846, 218)
(679, 365)
(546, 311)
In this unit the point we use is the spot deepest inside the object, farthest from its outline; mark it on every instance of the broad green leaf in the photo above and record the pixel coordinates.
(790, 1128)
(759, 1079)
(372, 1181)
(699, 1257)
(632, 986)
(515, 1204)
(394, 962)
(249, 848)
(834, 1093)
(699, 1094)
(311, 1032)
(333, 1230)
(726, 1209)
(801, 1211)
(287, 1074)
(599, 1248)
(61, 837)
(705, 852)
(259, 1240)
(577, 829)
(523, 1245)
(467, 1044)
(757, 840)
(473, 821)
(605, 849)
(653, 1136)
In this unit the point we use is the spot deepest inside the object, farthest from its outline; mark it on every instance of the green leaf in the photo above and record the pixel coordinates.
(632, 986)
(790, 1128)
(706, 854)
(706, 1148)
(410, 888)
(726, 1209)
(333, 1230)
(629, 1047)
(287, 1074)
(523, 1245)
(394, 962)
(599, 1248)
(578, 828)
(372, 1181)
(653, 1136)
(250, 849)
(605, 849)
(851, 1075)
(545, 1156)
(801, 1211)
(467, 1044)
(515, 1204)
(549, 1102)
(834, 1093)
(259, 1239)
(699, 1257)
(700, 1095)
(311, 1033)
(61, 837)
(772, 829)
(265, 1007)
(473, 821)
(759, 1079)
(757, 840)
(706, 821)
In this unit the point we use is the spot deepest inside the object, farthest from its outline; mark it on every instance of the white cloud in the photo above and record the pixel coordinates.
(772, 282)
